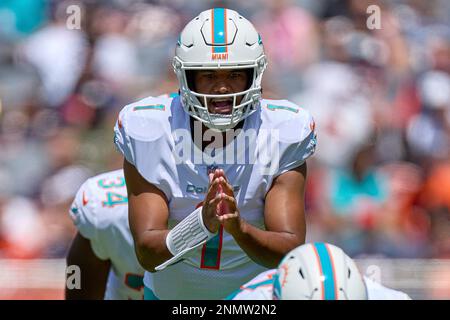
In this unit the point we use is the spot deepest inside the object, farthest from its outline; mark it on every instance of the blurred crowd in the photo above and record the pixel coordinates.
(379, 183)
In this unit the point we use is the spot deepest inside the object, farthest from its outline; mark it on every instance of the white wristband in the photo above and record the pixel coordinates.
(190, 233)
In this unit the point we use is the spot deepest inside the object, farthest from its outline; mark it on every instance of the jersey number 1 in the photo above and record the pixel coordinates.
(211, 251)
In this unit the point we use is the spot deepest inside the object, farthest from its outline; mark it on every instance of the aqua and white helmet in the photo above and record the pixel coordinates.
(219, 39)
(318, 271)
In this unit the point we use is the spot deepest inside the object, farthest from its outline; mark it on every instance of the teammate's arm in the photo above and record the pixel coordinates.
(148, 213)
(94, 271)
(284, 217)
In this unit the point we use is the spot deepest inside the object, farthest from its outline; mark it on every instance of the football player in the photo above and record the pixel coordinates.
(103, 248)
(315, 271)
(216, 175)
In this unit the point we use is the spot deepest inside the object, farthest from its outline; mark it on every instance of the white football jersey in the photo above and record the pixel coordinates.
(100, 212)
(154, 135)
(260, 288)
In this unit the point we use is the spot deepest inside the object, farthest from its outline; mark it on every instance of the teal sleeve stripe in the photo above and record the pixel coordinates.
(150, 107)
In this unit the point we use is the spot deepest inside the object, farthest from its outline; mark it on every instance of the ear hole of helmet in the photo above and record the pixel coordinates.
(349, 273)
(250, 73)
(190, 76)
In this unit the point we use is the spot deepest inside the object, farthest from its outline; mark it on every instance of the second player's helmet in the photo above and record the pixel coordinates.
(219, 39)
(318, 271)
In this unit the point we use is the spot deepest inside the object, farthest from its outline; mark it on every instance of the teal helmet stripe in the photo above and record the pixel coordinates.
(219, 32)
(327, 269)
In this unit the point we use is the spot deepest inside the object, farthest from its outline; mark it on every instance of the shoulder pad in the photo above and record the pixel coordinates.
(292, 122)
(147, 119)
(90, 210)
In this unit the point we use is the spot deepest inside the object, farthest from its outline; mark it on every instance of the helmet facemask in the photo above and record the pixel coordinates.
(196, 104)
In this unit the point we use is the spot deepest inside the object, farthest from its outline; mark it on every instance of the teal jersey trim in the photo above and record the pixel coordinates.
(149, 295)
(272, 107)
(150, 107)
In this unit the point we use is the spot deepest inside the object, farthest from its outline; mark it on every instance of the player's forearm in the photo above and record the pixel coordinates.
(266, 248)
(151, 249)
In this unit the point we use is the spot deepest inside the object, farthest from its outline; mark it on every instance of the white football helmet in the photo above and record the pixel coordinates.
(219, 39)
(318, 271)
